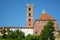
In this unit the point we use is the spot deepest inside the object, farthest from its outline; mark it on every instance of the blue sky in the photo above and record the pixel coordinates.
(13, 12)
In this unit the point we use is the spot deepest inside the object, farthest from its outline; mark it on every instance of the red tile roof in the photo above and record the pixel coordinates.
(45, 16)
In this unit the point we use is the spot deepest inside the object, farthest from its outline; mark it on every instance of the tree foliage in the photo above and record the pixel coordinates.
(47, 32)
(16, 35)
(31, 37)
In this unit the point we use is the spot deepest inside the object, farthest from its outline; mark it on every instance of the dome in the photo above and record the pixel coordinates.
(44, 16)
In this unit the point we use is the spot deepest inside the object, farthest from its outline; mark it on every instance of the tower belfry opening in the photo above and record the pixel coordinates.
(29, 14)
(29, 9)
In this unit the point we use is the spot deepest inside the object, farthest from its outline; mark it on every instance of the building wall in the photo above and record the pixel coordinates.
(56, 26)
(40, 24)
(25, 30)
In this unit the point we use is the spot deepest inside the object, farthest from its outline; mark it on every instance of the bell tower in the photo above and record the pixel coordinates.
(29, 15)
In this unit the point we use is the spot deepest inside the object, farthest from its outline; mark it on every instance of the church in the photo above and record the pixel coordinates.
(33, 26)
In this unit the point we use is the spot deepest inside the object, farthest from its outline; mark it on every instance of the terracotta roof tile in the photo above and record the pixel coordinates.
(45, 16)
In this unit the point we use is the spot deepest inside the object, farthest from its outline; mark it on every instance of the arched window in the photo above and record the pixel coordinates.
(41, 21)
(29, 14)
(29, 19)
(35, 32)
(29, 9)
(29, 24)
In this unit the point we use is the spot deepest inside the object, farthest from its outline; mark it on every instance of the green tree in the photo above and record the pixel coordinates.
(31, 37)
(16, 35)
(5, 32)
(47, 32)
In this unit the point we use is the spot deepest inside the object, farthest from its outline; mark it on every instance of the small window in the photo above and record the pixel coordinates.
(41, 21)
(29, 14)
(29, 24)
(29, 19)
(35, 32)
(46, 21)
(29, 9)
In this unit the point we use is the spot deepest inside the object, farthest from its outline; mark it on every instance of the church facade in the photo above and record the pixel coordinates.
(34, 26)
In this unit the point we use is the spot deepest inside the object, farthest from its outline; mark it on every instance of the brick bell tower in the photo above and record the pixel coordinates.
(29, 15)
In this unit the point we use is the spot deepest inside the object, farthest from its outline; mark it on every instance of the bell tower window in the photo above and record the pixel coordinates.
(29, 24)
(29, 14)
(29, 9)
(29, 19)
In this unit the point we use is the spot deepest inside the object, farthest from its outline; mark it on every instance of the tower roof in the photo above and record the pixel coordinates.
(29, 4)
(44, 16)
